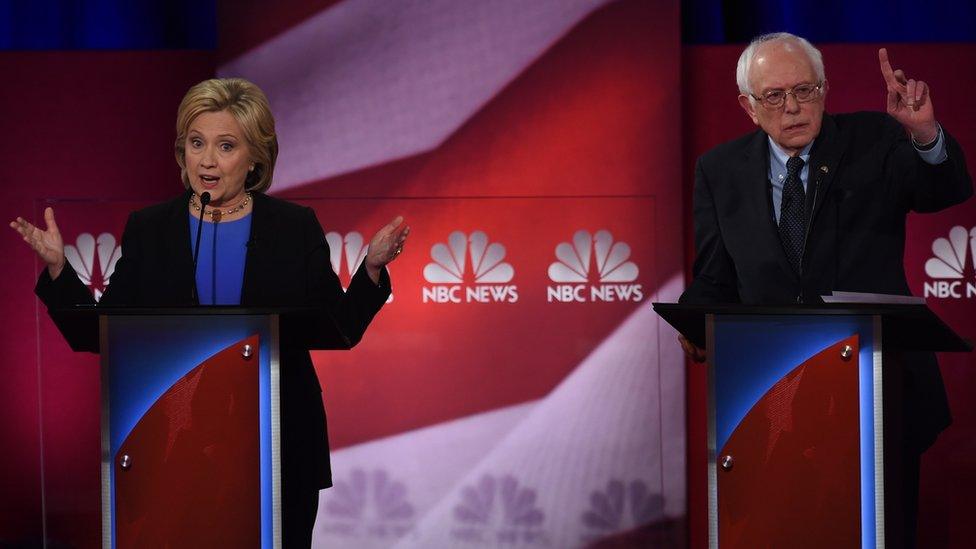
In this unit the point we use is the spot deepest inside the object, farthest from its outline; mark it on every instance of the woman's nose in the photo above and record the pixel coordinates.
(209, 158)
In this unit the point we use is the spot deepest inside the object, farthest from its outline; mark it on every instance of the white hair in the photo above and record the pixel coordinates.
(744, 65)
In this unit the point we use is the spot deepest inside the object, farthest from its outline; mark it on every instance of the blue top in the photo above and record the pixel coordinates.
(220, 267)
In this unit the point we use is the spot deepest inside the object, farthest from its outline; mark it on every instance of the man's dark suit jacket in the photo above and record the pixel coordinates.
(287, 264)
(865, 176)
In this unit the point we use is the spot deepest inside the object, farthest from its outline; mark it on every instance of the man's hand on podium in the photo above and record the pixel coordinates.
(47, 243)
(691, 350)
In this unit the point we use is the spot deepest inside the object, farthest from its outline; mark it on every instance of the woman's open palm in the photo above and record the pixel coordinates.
(47, 243)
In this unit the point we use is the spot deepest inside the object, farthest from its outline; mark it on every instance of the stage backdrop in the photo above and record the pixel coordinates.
(517, 389)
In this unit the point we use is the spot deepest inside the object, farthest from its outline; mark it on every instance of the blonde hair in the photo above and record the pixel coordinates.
(249, 106)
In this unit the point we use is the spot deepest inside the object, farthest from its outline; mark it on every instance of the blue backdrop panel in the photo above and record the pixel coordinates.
(723, 21)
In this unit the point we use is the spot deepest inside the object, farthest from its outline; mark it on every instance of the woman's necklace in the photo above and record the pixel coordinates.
(215, 214)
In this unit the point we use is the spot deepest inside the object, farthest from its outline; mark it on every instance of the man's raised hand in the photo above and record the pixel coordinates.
(909, 102)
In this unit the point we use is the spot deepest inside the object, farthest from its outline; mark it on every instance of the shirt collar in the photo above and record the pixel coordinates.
(779, 156)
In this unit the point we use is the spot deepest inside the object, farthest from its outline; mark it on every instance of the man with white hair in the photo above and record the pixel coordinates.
(812, 202)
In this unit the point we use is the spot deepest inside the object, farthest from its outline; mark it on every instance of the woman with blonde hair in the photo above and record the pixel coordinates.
(255, 250)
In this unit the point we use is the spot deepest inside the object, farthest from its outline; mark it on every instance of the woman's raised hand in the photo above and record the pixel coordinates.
(47, 243)
(385, 246)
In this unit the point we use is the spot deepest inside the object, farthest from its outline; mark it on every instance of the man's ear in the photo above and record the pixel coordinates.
(823, 90)
(749, 106)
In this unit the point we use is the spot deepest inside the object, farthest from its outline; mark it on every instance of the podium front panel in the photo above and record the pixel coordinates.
(190, 453)
(795, 431)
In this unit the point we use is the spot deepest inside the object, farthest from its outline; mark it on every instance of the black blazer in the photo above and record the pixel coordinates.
(856, 241)
(287, 264)
(865, 176)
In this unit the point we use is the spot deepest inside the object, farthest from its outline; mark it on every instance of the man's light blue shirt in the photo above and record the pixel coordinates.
(778, 157)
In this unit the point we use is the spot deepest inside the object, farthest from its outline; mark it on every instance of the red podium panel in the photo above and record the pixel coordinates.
(190, 426)
(796, 457)
(804, 425)
(178, 475)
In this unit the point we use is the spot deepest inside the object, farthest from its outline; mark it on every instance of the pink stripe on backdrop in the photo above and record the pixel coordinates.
(540, 472)
(369, 81)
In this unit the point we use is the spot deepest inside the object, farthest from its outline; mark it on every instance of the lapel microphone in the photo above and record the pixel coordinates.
(204, 200)
(823, 171)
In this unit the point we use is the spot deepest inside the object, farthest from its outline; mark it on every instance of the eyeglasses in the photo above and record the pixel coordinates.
(803, 93)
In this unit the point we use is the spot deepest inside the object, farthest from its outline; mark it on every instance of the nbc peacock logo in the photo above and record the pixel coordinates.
(352, 248)
(82, 256)
(593, 268)
(951, 275)
(469, 269)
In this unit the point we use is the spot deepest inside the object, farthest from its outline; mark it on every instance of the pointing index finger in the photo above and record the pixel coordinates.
(886, 71)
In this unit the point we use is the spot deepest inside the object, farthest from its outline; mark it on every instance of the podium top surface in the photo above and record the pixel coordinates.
(313, 325)
(906, 327)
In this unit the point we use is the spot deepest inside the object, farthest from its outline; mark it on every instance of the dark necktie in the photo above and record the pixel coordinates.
(792, 215)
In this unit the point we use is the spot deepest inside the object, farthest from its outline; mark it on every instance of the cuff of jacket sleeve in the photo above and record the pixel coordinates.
(934, 152)
(377, 292)
(51, 291)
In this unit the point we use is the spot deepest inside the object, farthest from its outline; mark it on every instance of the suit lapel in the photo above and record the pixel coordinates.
(828, 150)
(179, 249)
(259, 245)
(755, 174)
